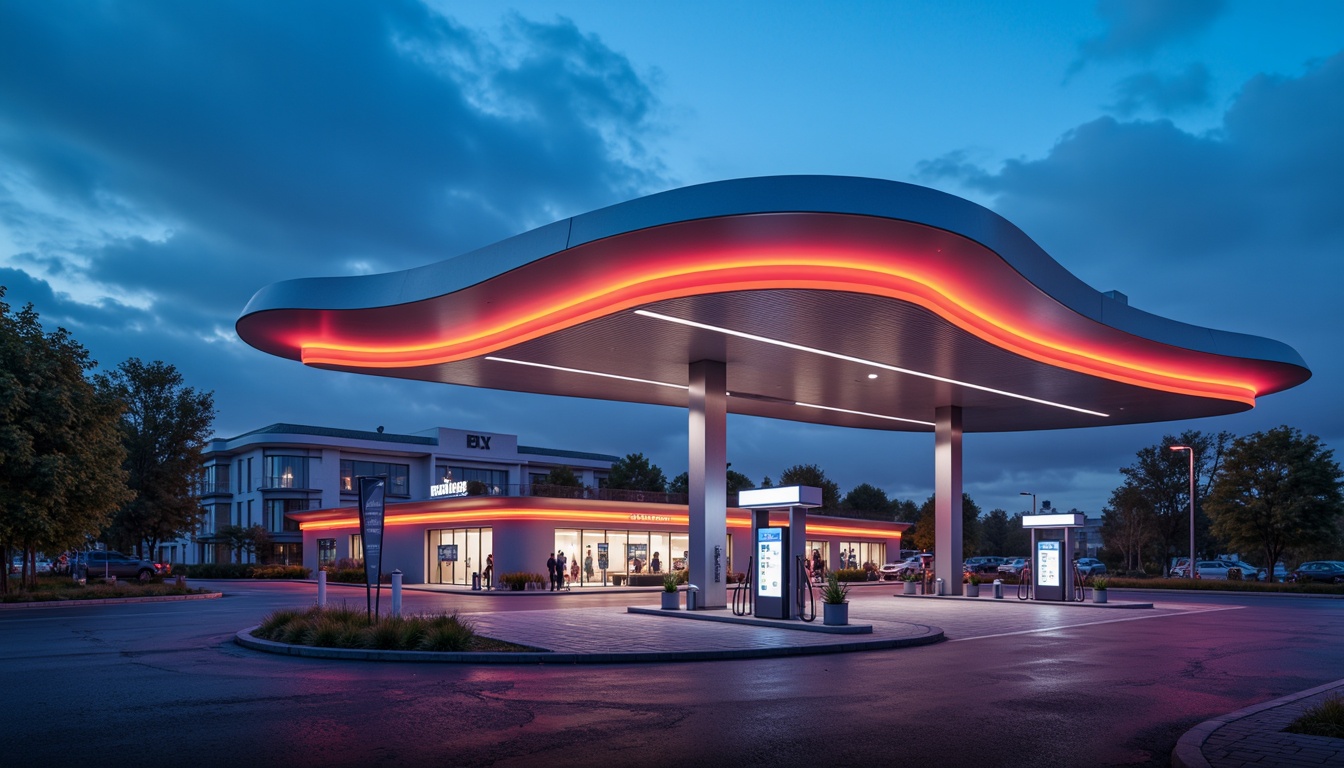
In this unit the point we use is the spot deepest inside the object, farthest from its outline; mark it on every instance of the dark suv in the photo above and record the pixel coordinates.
(97, 564)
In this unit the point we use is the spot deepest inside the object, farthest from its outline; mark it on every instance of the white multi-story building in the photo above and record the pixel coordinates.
(258, 477)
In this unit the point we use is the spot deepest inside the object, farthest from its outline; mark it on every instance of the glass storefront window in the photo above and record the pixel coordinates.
(471, 546)
(660, 557)
(326, 552)
(679, 551)
(861, 554)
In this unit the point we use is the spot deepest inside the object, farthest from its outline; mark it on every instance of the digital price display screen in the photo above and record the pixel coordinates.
(770, 562)
(1047, 563)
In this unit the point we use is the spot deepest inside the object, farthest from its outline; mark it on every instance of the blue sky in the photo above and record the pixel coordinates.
(162, 161)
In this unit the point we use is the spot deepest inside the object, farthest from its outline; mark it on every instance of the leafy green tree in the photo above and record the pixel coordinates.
(164, 428)
(61, 456)
(244, 541)
(905, 511)
(1161, 477)
(812, 475)
(994, 533)
(737, 482)
(636, 473)
(562, 476)
(923, 536)
(1127, 525)
(1278, 491)
(868, 502)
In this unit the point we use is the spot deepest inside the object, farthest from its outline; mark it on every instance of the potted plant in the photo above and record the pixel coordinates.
(1099, 589)
(911, 581)
(671, 600)
(972, 585)
(835, 606)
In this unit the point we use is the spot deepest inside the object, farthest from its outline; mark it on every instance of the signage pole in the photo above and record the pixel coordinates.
(371, 495)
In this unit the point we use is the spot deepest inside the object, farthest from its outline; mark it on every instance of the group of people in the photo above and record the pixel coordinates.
(558, 567)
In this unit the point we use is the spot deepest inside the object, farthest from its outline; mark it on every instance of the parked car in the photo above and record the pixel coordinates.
(1014, 566)
(98, 563)
(1204, 569)
(1248, 572)
(1090, 566)
(1328, 571)
(913, 564)
(983, 564)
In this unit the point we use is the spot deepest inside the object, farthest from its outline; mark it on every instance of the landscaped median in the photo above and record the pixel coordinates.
(66, 591)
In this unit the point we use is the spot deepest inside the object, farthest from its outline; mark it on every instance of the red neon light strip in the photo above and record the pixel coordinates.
(622, 290)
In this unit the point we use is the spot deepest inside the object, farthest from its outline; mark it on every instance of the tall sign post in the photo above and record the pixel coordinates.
(371, 495)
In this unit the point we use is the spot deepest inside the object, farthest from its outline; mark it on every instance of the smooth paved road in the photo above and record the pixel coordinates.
(137, 684)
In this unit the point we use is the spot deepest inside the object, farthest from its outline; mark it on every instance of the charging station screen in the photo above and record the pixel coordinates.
(1047, 563)
(770, 562)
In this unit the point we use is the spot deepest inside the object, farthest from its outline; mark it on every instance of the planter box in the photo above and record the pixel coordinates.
(972, 590)
(1098, 595)
(910, 587)
(671, 601)
(835, 614)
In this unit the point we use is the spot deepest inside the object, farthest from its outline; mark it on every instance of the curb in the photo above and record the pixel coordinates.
(1005, 600)
(1189, 750)
(244, 638)
(110, 601)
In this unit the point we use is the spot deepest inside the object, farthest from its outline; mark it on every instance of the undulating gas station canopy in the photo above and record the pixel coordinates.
(844, 301)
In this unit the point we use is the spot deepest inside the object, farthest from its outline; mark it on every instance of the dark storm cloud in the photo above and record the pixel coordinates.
(311, 135)
(1238, 229)
(1163, 95)
(1137, 28)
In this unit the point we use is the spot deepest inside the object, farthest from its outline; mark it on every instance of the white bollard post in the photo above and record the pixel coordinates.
(321, 589)
(396, 592)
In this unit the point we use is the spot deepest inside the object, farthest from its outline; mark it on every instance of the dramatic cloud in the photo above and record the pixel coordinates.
(160, 163)
(1137, 28)
(1163, 95)
(1238, 229)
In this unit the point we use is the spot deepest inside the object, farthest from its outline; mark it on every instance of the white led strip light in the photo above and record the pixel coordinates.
(861, 361)
(683, 386)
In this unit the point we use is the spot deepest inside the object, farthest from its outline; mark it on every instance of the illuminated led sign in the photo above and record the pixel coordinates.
(1075, 520)
(448, 490)
(774, 498)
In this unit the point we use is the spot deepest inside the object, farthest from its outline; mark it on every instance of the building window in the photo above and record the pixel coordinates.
(326, 552)
(496, 481)
(286, 472)
(276, 521)
(398, 475)
(357, 547)
(215, 479)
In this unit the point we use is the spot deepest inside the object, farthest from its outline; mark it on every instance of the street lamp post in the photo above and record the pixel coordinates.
(1033, 500)
(1190, 450)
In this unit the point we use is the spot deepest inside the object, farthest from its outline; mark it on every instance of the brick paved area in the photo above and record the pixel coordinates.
(1254, 737)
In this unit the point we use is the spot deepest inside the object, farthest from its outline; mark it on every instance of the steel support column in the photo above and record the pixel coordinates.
(947, 528)
(707, 475)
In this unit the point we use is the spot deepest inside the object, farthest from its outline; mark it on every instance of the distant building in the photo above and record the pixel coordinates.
(260, 477)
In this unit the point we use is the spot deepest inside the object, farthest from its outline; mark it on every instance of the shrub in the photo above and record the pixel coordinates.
(835, 592)
(518, 580)
(448, 633)
(1324, 719)
(279, 572)
(850, 574)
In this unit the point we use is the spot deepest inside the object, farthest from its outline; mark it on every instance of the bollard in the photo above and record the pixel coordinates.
(476, 582)
(396, 592)
(321, 589)
(998, 589)
(939, 591)
(692, 597)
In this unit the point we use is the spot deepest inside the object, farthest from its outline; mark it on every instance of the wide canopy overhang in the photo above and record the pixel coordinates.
(843, 301)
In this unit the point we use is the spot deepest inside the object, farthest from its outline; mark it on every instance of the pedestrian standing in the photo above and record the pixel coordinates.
(489, 570)
(550, 569)
(561, 569)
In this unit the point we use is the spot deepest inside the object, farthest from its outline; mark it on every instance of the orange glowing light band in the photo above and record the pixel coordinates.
(621, 518)
(746, 268)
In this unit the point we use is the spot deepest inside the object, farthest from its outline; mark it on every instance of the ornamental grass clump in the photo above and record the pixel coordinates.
(834, 592)
(346, 627)
(1324, 719)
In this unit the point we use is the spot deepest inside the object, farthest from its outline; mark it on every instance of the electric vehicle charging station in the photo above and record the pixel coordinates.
(777, 548)
(1051, 545)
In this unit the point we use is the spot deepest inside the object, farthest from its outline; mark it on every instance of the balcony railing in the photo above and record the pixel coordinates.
(213, 489)
(477, 488)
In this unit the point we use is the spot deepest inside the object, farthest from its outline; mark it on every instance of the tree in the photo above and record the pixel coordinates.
(1278, 491)
(1161, 477)
(923, 535)
(994, 533)
(244, 541)
(905, 511)
(636, 473)
(164, 428)
(811, 475)
(737, 482)
(562, 476)
(1127, 524)
(868, 502)
(61, 457)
